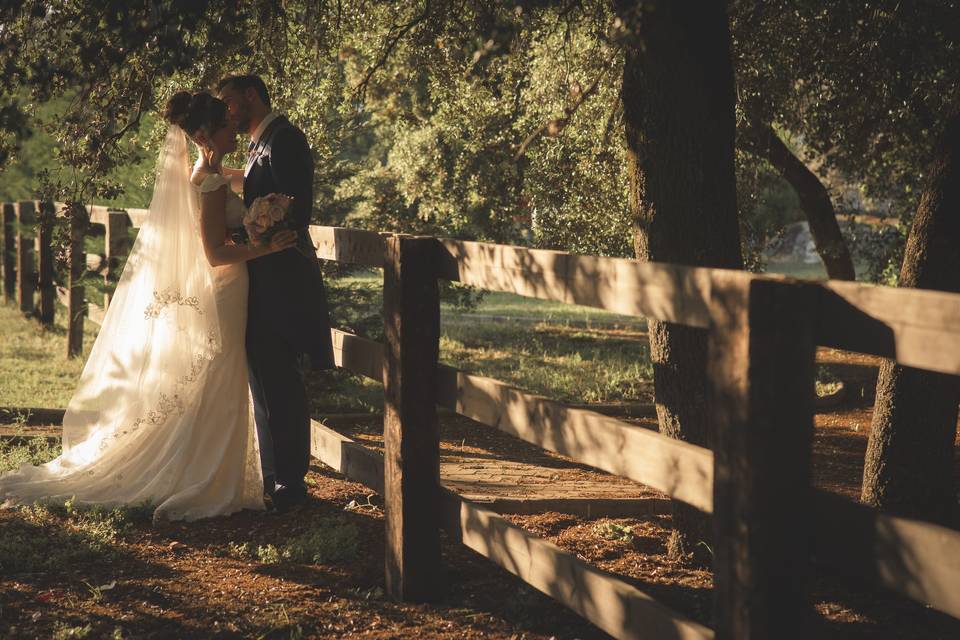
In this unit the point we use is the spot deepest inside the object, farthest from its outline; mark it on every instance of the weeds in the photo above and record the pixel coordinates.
(20, 449)
(614, 531)
(50, 536)
(326, 543)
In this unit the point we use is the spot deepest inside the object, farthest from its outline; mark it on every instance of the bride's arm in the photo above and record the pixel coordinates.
(236, 178)
(213, 229)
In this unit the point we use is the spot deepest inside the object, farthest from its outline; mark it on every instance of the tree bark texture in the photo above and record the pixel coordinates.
(909, 463)
(678, 99)
(814, 200)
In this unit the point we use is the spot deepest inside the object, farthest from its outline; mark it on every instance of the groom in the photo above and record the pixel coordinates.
(287, 316)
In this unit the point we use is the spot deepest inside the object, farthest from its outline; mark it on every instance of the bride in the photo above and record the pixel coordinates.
(162, 414)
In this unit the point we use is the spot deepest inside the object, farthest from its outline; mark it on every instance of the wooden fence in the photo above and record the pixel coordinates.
(772, 530)
(28, 262)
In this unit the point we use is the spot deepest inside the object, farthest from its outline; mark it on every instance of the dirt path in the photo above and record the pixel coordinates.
(207, 578)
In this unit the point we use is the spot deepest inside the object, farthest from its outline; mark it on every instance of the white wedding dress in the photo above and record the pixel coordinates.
(162, 414)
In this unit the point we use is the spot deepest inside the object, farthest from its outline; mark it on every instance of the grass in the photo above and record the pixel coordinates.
(558, 350)
(567, 364)
(50, 536)
(33, 367)
(327, 542)
(508, 305)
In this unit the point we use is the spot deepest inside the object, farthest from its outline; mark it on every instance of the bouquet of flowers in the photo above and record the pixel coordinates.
(266, 216)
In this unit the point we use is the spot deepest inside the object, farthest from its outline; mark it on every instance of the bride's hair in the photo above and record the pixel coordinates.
(190, 112)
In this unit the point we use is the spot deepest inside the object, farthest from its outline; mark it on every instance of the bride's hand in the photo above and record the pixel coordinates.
(282, 240)
(208, 156)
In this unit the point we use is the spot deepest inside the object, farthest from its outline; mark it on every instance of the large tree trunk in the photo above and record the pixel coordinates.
(814, 200)
(909, 462)
(678, 100)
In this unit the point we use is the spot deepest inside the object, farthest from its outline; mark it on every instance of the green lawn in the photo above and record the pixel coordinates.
(508, 305)
(546, 354)
(34, 370)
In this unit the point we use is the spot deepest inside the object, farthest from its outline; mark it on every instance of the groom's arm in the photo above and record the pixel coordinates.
(292, 165)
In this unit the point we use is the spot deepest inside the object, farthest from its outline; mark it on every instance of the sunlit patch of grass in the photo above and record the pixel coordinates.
(570, 365)
(51, 536)
(327, 542)
(33, 363)
(21, 450)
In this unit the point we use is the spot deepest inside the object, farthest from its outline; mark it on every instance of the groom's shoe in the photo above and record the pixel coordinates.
(286, 498)
(269, 485)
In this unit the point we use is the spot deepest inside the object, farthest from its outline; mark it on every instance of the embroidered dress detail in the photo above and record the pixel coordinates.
(168, 297)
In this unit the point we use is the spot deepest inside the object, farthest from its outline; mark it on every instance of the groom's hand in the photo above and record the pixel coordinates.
(283, 240)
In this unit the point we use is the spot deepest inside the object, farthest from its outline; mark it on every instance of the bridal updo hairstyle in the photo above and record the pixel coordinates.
(190, 112)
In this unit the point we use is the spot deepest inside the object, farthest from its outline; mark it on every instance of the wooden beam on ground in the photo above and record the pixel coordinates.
(9, 249)
(914, 327)
(345, 456)
(31, 415)
(352, 246)
(660, 291)
(411, 429)
(680, 469)
(618, 608)
(761, 374)
(917, 559)
(26, 270)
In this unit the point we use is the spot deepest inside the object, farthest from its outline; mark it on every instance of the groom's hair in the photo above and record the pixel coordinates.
(242, 83)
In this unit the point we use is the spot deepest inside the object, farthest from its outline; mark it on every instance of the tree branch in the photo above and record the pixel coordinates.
(554, 126)
(360, 90)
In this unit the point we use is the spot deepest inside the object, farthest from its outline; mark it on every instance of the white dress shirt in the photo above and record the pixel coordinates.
(267, 119)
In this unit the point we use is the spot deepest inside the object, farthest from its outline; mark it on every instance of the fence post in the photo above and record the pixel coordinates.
(9, 252)
(25, 268)
(116, 246)
(48, 291)
(411, 309)
(76, 308)
(761, 369)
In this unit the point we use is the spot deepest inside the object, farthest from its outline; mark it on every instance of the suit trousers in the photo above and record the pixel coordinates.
(280, 408)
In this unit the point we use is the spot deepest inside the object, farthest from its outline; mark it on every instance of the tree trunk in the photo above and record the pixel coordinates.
(678, 100)
(814, 200)
(909, 462)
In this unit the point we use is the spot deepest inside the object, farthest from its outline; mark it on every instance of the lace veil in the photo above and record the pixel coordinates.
(160, 330)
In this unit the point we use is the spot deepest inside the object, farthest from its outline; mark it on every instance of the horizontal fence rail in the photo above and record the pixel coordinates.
(763, 331)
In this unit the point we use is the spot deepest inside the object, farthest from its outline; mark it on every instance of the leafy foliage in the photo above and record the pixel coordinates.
(495, 121)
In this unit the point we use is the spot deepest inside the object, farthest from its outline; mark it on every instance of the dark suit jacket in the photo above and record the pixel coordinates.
(287, 299)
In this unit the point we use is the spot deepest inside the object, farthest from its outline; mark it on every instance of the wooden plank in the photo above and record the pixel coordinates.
(661, 291)
(761, 375)
(916, 328)
(618, 608)
(679, 469)
(916, 559)
(26, 270)
(345, 456)
(137, 217)
(682, 470)
(353, 246)
(9, 252)
(98, 214)
(358, 355)
(48, 291)
(117, 245)
(411, 429)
